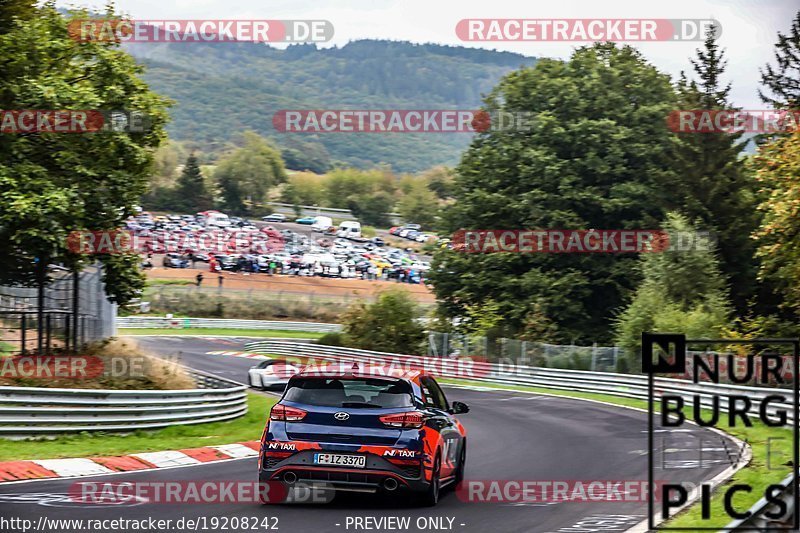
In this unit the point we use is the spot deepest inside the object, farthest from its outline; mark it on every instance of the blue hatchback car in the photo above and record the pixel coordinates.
(365, 429)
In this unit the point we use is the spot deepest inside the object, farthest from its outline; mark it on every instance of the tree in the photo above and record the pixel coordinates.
(597, 156)
(246, 175)
(783, 81)
(372, 208)
(440, 181)
(308, 156)
(387, 325)
(345, 186)
(419, 204)
(192, 190)
(53, 183)
(304, 188)
(711, 185)
(777, 169)
(681, 291)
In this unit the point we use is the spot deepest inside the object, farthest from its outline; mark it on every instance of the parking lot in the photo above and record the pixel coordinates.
(271, 248)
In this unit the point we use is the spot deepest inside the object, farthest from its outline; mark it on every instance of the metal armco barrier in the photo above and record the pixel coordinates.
(160, 322)
(32, 411)
(624, 385)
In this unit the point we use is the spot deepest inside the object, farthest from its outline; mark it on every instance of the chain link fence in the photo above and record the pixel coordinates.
(529, 353)
(24, 328)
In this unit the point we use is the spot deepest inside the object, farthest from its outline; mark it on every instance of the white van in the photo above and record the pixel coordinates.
(321, 224)
(219, 220)
(349, 229)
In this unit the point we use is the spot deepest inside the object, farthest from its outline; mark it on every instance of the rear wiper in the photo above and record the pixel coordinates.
(358, 404)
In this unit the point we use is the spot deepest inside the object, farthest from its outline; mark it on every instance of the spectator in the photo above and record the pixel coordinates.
(199, 278)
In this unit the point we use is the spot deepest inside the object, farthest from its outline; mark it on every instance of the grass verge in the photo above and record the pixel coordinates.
(205, 332)
(247, 427)
(761, 472)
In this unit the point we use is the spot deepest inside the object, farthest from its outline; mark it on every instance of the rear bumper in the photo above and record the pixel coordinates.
(379, 474)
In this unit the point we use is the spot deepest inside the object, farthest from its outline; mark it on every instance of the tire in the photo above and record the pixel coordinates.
(431, 496)
(462, 463)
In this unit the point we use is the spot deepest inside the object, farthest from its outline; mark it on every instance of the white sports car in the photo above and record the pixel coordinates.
(272, 373)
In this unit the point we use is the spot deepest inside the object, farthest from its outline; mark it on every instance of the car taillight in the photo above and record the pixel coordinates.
(286, 413)
(411, 419)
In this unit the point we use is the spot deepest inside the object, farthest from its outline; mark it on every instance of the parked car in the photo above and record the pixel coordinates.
(173, 260)
(274, 217)
(377, 241)
(306, 220)
(349, 229)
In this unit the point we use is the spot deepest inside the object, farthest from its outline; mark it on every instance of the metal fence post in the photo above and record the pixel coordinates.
(23, 329)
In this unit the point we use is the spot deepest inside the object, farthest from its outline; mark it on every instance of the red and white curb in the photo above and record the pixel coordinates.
(246, 355)
(93, 466)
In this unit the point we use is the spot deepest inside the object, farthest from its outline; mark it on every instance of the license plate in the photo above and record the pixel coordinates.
(335, 459)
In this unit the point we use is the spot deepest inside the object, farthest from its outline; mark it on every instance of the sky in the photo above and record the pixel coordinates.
(749, 27)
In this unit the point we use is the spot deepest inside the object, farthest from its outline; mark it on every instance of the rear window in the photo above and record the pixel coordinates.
(352, 393)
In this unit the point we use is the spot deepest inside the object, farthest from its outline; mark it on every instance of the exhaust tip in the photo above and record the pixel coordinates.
(390, 483)
(290, 477)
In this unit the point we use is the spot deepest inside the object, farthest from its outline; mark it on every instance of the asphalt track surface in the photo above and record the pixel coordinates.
(511, 436)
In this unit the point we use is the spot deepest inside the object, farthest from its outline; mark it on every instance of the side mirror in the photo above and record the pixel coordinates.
(459, 408)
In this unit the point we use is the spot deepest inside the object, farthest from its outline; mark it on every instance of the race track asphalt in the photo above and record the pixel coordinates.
(512, 436)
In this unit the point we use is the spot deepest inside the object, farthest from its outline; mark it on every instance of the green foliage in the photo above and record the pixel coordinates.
(246, 175)
(304, 188)
(681, 292)
(192, 190)
(309, 156)
(387, 325)
(123, 278)
(782, 79)
(440, 181)
(419, 204)
(52, 183)
(777, 169)
(372, 208)
(332, 339)
(712, 186)
(596, 157)
(246, 83)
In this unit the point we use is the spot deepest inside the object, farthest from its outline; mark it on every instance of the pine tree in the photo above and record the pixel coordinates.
(784, 80)
(681, 291)
(713, 190)
(192, 191)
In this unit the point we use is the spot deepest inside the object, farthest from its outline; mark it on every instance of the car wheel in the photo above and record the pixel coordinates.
(431, 496)
(462, 463)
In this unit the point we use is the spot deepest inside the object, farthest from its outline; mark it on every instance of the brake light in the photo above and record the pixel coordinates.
(411, 419)
(286, 414)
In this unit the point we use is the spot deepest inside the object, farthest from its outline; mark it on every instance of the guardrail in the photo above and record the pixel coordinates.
(35, 411)
(160, 322)
(623, 385)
